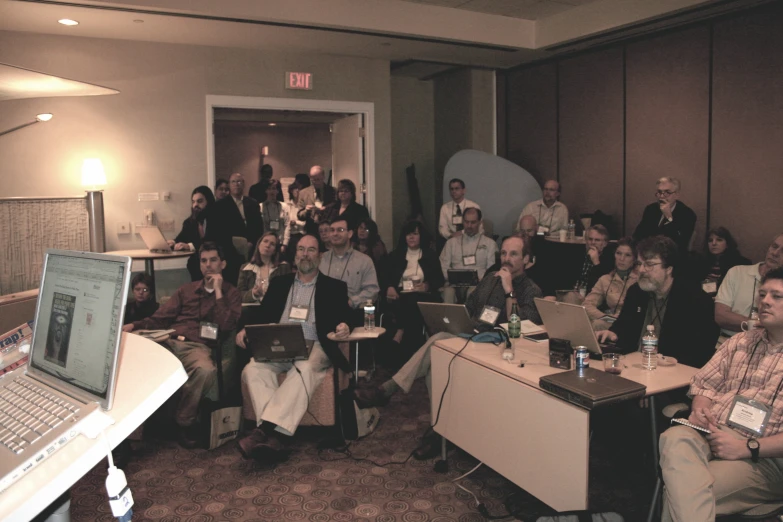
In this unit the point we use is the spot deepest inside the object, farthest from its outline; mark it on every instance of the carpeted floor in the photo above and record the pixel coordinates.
(170, 484)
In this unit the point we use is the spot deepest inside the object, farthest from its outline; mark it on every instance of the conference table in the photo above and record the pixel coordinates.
(496, 411)
(148, 375)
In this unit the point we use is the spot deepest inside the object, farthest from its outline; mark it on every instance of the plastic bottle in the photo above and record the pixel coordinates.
(514, 323)
(650, 349)
(571, 229)
(369, 315)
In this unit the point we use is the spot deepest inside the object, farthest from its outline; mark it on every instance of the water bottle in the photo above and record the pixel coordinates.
(514, 323)
(369, 315)
(571, 229)
(650, 349)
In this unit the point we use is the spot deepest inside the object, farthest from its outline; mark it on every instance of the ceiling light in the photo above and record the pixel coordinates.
(273, 124)
(46, 116)
(138, 21)
(67, 21)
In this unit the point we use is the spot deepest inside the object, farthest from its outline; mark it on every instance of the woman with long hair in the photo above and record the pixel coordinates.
(605, 300)
(265, 264)
(720, 254)
(367, 241)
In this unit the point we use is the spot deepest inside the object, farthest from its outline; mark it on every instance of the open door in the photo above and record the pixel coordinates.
(348, 153)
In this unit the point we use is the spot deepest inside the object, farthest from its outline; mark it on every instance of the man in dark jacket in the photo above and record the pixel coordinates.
(320, 304)
(194, 228)
(680, 311)
(668, 217)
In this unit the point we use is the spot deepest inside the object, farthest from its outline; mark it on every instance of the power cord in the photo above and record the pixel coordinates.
(120, 497)
(448, 379)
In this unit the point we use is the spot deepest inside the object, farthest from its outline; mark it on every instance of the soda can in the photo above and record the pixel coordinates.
(582, 357)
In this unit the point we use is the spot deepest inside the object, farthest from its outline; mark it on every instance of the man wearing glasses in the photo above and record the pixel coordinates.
(668, 216)
(681, 312)
(550, 213)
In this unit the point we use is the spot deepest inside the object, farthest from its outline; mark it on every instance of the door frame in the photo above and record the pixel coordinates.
(214, 101)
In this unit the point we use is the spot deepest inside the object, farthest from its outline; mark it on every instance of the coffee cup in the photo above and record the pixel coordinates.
(563, 235)
(749, 325)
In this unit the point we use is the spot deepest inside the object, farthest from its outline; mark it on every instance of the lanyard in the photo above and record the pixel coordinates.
(742, 382)
(753, 297)
(658, 310)
(551, 216)
(462, 250)
(293, 295)
(331, 256)
(268, 214)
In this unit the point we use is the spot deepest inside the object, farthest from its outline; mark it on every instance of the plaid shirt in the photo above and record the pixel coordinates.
(721, 377)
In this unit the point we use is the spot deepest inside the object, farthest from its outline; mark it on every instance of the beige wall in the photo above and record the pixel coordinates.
(292, 150)
(152, 136)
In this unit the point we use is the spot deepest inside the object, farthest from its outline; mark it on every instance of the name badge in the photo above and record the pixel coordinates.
(709, 287)
(274, 225)
(489, 315)
(542, 230)
(748, 415)
(208, 331)
(299, 313)
(582, 291)
(407, 285)
(468, 260)
(456, 220)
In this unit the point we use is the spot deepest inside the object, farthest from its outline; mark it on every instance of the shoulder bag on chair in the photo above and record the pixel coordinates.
(225, 414)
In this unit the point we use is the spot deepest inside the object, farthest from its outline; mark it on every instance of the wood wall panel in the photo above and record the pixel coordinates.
(591, 134)
(531, 101)
(667, 120)
(747, 164)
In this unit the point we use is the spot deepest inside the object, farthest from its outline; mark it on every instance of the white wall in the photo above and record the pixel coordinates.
(151, 136)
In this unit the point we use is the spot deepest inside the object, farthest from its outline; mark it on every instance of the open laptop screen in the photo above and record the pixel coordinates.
(78, 322)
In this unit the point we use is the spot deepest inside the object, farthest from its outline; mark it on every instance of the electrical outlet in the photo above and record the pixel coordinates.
(166, 225)
(123, 227)
(167, 196)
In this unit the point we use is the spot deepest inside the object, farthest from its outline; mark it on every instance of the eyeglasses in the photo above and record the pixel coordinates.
(339, 229)
(142, 290)
(237, 182)
(648, 265)
(664, 192)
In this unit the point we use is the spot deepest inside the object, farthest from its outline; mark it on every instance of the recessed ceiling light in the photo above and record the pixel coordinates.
(138, 21)
(385, 44)
(46, 116)
(273, 124)
(68, 21)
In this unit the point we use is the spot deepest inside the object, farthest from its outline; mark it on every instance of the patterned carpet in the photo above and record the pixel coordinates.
(170, 484)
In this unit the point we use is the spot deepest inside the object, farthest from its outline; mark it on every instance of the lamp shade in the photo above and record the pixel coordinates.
(92, 173)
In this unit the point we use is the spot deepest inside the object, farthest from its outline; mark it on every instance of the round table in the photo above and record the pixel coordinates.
(150, 257)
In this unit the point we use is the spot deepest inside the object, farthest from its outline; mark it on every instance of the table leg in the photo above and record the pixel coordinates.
(149, 268)
(356, 357)
(654, 434)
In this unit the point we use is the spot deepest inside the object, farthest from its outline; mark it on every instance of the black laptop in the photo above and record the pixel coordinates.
(276, 342)
(463, 277)
(590, 388)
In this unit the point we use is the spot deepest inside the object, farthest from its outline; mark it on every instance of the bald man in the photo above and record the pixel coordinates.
(314, 199)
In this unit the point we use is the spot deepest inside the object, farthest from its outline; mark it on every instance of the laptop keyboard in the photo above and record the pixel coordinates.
(28, 412)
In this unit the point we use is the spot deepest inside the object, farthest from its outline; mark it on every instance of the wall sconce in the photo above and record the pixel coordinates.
(43, 117)
(93, 176)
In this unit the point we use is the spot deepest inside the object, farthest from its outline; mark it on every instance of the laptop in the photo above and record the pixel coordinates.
(463, 277)
(590, 388)
(451, 318)
(72, 367)
(153, 238)
(568, 321)
(276, 342)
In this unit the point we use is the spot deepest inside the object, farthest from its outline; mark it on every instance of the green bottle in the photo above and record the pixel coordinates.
(514, 323)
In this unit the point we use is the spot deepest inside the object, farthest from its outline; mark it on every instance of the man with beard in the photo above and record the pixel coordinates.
(498, 290)
(323, 302)
(193, 229)
(668, 216)
(681, 312)
(198, 312)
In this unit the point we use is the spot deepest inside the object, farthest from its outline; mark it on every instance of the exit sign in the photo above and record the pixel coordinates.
(299, 80)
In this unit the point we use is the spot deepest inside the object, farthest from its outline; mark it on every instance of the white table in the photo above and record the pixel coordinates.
(149, 375)
(496, 411)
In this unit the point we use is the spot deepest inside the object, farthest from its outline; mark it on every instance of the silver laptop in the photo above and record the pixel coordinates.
(72, 369)
(451, 318)
(276, 342)
(568, 321)
(590, 388)
(153, 238)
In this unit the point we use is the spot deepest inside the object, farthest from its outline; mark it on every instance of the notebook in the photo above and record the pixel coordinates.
(153, 238)
(276, 342)
(463, 277)
(451, 318)
(590, 388)
(569, 322)
(72, 368)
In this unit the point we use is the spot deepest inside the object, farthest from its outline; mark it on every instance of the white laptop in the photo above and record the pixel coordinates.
(451, 318)
(568, 321)
(154, 239)
(72, 369)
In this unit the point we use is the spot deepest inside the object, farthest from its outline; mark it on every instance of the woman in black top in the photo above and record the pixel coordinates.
(346, 206)
(367, 241)
(142, 304)
(411, 274)
(720, 254)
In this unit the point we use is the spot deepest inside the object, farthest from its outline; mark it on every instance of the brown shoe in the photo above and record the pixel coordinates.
(249, 443)
(188, 436)
(262, 447)
(370, 397)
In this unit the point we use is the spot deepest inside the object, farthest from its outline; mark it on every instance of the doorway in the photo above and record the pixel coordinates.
(340, 139)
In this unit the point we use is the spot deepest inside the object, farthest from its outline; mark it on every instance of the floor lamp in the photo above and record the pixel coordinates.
(93, 176)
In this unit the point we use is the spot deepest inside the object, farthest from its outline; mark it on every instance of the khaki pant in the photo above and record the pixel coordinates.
(697, 486)
(196, 358)
(419, 365)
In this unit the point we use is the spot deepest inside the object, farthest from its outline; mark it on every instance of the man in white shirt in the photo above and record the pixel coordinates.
(737, 294)
(450, 223)
(550, 213)
(471, 250)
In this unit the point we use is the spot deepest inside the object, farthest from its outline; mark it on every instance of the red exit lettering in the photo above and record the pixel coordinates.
(299, 80)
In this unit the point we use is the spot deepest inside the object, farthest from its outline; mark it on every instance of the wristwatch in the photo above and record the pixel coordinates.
(753, 446)
(510, 294)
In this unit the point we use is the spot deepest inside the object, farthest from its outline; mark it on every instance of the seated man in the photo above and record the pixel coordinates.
(198, 312)
(681, 312)
(452, 213)
(668, 216)
(740, 464)
(324, 303)
(550, 213)
(194, 228)
(470, 250)
(737, 294)
(598, 261)
(352, 267)
(499, 290)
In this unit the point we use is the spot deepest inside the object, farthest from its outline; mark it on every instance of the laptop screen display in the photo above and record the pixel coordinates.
(78, 322)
